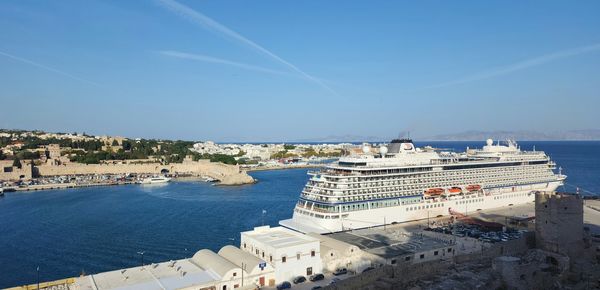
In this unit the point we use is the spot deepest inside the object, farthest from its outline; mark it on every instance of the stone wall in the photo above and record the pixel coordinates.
(508, 248)
(396, 277)
(14, 173)
(559, 223)
(227, 174)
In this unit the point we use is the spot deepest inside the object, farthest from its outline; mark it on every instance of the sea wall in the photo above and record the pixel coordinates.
(227, 174)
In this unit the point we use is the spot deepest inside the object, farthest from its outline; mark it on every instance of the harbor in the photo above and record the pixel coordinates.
(397, 246)
(195, 206)
(209, 145)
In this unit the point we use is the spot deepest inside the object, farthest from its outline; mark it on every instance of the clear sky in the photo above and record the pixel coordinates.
(286, 70)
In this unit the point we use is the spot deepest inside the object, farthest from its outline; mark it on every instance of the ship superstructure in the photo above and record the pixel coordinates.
(400, 183)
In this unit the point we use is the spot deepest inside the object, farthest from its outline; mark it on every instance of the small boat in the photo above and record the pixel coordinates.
(154, 180)
(434, 191)
(454, 190)
(1, 191)
(474, 187)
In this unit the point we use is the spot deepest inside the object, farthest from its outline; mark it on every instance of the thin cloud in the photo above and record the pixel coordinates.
(216, 27)
(33, 63)
(210, 59)
(521, 65)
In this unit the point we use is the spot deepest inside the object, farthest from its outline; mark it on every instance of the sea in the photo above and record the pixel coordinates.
(65, 233)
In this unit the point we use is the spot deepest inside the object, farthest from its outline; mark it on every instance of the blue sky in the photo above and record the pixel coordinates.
(286, 70)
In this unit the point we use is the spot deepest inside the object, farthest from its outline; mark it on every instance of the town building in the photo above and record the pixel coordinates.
(392, 246)
(337, 254)
(231, 268)
(289, 253)
(256, 271)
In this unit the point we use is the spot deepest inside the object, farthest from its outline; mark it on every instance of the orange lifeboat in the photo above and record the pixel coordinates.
(454, 190)
(434, 191)
(474, 187)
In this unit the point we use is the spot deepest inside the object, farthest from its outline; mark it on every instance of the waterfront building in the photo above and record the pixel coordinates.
(402, 183)
(336, 254)
(179, 274)
(231, 268)
(289, 253)
(394, 247)
(256, 271)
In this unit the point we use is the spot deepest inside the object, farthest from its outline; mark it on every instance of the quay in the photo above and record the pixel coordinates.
(35, 187)
(62, 284)
(391, 256)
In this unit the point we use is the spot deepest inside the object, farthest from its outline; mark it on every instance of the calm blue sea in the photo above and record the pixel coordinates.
(65, 232)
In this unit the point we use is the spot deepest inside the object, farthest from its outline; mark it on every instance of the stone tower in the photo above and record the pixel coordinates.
(559, 223)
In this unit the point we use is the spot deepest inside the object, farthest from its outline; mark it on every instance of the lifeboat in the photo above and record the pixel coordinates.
(434, 191)
(454, 190)
(473, 187)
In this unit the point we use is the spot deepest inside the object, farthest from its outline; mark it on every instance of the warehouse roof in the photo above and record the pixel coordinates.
(208, 259)
(237, 257)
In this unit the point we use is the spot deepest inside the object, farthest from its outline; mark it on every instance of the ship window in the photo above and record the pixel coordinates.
(283, 259)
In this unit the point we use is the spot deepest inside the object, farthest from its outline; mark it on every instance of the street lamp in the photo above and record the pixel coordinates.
(38, 277)
(243, 269)
(142, 254)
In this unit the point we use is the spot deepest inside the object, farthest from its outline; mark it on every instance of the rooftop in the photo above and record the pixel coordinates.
(389, 243)
(278, 237)
(166, 275)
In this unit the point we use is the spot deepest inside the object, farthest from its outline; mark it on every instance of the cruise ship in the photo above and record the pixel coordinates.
(399, 182)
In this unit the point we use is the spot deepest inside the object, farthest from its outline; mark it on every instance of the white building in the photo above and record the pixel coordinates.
(290, 253)
(231, 269)
(256, 271)
(338, 254)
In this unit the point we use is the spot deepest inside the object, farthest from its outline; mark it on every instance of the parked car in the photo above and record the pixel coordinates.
(368, 269)
(316, 277)
(316, 287)
(334, 280)
(340, 271)
(299, 279)
(284, 285)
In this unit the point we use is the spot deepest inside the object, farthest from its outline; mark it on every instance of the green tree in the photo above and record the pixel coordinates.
(17, 163)
(115, 143)
(126, 145)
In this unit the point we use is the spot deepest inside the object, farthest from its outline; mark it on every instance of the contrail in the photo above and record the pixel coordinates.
(522, 65)
(205, 58)
(30, 62)
(214, 26)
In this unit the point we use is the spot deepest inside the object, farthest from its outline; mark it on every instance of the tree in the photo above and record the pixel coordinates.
(289, 147)
(115, 143)
(17, 163)
(126, 145)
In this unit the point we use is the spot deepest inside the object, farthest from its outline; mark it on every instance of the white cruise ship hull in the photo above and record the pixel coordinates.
(491, 198)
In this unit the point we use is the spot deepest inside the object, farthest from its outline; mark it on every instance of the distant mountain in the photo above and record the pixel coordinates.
(345, 138)
(593, 134)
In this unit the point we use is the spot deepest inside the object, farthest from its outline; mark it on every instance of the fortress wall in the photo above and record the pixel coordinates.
(206, 168)
(16, 173)
(559, 223)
